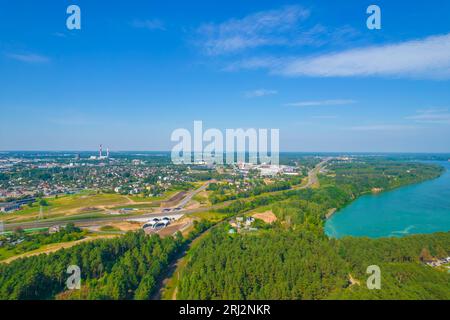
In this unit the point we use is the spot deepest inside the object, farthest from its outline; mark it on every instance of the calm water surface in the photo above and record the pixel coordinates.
(420, 208)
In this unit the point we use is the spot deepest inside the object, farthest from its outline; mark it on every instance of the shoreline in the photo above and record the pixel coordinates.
(330, 213)
(380, 191)
(443, 172)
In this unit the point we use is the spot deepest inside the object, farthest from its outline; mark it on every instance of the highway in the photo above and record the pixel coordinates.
(191, 194)
(95, 221)
(86, 222)
(312, 174)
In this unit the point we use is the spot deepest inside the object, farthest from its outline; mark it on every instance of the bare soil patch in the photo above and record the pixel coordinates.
(267, 217)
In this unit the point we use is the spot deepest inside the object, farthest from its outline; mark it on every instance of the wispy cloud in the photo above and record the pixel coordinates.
(255, 30)
(432, 116)
(382, 127)
(320, 35)
(255, 63)
(28, 57)
(318, 103)
(59, 34)
(149, 24)
(424, 58)
(259, 93)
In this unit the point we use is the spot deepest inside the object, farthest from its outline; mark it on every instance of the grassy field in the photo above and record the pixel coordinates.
(260, 209)
(8, 257)
(84, 203)
(70, 204)
(165, 196)
(208, 215)
(203, 198)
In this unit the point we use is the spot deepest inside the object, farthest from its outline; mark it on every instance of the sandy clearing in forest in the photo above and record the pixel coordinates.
(353, 281)
(125, 225)
(267, 216)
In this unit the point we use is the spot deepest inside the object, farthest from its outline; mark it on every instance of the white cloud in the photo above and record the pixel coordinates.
(317, 103)
(260, 93)
(254, 63)
(424, 58)
(255, 30)
(28, 57)
(152, 24)
(433, 116)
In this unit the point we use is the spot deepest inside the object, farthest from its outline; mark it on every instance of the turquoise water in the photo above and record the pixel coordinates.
(420, 208)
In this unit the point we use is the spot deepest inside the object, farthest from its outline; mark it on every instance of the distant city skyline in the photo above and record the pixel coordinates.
(137, 71)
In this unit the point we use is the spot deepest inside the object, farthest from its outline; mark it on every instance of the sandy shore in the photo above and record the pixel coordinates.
(330, 213)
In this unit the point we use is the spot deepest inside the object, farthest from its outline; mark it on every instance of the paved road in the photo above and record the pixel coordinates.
(95, 221)
(191, 194)
(175, 265)
(86, 222)
(312, 174)
(312, 179)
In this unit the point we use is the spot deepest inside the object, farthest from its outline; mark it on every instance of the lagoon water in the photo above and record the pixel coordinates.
(420, 208)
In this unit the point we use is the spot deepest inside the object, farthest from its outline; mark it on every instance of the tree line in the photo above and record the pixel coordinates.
(295, 259)
(126, 267)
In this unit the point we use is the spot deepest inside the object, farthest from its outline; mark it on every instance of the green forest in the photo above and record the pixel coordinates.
(301, 264)
(295, 260)
(289, 259)
(29, 242)
(121, 268)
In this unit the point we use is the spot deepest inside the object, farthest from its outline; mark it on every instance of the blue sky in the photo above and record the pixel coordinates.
(137, 70)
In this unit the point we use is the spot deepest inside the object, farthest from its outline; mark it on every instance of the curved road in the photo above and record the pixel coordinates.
(312, 179)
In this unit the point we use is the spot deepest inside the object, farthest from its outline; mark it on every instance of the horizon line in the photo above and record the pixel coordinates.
(169, 151)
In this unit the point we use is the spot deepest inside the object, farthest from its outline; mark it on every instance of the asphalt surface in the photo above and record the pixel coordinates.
(95, 221)
(312, 179)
